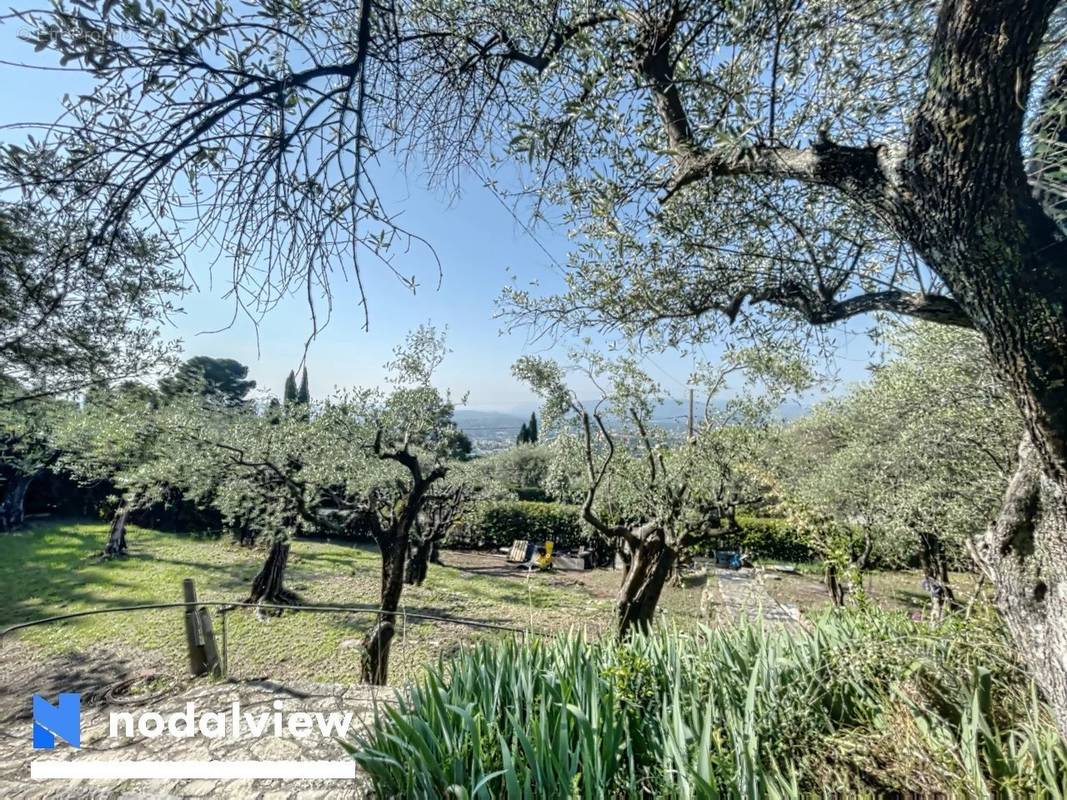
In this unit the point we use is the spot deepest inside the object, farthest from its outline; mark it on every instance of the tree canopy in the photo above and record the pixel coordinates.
(220, 379)
(65, 326)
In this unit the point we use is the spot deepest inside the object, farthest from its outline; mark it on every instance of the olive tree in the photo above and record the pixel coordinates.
(65, 327)
(916, 456)
(776, 168)
(26, 447)
(780, 166)
(653, 492)
(366, 460)
(112, 439)
(467, 482)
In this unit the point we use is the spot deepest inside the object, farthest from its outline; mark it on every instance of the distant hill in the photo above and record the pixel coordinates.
(493, 430)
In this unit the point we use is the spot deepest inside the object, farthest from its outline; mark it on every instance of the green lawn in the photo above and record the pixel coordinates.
(51, 569)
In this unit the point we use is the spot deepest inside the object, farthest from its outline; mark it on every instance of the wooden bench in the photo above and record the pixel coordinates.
(521, 551)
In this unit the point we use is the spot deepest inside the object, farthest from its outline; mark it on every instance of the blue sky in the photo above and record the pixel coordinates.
(481, 247)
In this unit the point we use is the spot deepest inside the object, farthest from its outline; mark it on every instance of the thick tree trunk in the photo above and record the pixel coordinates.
(116, 537)
(651, 562)
(1024, 553)
(376, 644)
(12, 507)
(269, 584)
(419, 556)
(965, 204)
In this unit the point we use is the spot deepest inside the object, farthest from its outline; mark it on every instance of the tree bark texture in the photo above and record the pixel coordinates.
(393, 542)
(1024, 554)
(116, 536)
(651, 563)
(13, 506)
(971, 213)
(269, 584)
(420, 554)
(377, 641)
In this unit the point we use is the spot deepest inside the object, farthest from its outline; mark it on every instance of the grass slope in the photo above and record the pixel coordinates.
(51, 569)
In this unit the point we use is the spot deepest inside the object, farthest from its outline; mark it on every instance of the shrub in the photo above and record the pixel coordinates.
(864, 704)
(493, 524)
(520, 468)
(771, 538)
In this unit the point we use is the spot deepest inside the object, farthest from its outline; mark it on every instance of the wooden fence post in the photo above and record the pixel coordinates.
(199, 635)
(193, 636)
(212, 662)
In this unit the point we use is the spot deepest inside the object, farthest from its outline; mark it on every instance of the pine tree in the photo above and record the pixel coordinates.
(289, 395)
(532, 428)
(303, 395)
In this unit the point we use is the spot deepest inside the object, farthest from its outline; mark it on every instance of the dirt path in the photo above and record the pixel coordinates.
(742, 593)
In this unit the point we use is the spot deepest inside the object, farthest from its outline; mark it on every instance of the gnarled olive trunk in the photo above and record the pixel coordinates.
(420, 554)
(964, 201)
(374, 668)
(651, 563)
(1024, 553)
(269, 584)
(116, 536)
(12, 507)
(393, 544)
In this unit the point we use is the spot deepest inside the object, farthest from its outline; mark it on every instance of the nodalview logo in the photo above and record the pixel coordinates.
(63, 720)
(233, 723)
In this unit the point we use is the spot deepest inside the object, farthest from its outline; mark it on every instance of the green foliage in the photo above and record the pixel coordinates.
(220, 379)
(289, 392)
(521, 469)
(926, 445)
(862, 704)
(303, 394)
(630, 472)
(499, 523)
(773, 538)
(64, 326)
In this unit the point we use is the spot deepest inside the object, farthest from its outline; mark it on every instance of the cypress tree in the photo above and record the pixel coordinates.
(289, 395)
(524, 435)
(532, 428)
(303, 395)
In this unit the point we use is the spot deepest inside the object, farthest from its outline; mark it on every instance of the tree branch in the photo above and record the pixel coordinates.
(860, 172)
(820, 311)
(596, 476)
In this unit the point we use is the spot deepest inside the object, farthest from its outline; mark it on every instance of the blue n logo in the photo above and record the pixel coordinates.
(63, 720)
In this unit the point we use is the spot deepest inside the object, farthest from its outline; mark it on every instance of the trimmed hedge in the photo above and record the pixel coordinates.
(492, 524)
(773, 538)
(489, 525)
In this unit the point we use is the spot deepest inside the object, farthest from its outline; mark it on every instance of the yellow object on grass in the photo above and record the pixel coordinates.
(544, 558)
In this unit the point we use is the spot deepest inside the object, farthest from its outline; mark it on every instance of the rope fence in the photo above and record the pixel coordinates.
(206, 657)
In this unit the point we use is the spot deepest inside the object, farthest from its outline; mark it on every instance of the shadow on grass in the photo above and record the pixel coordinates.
(53, 566)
